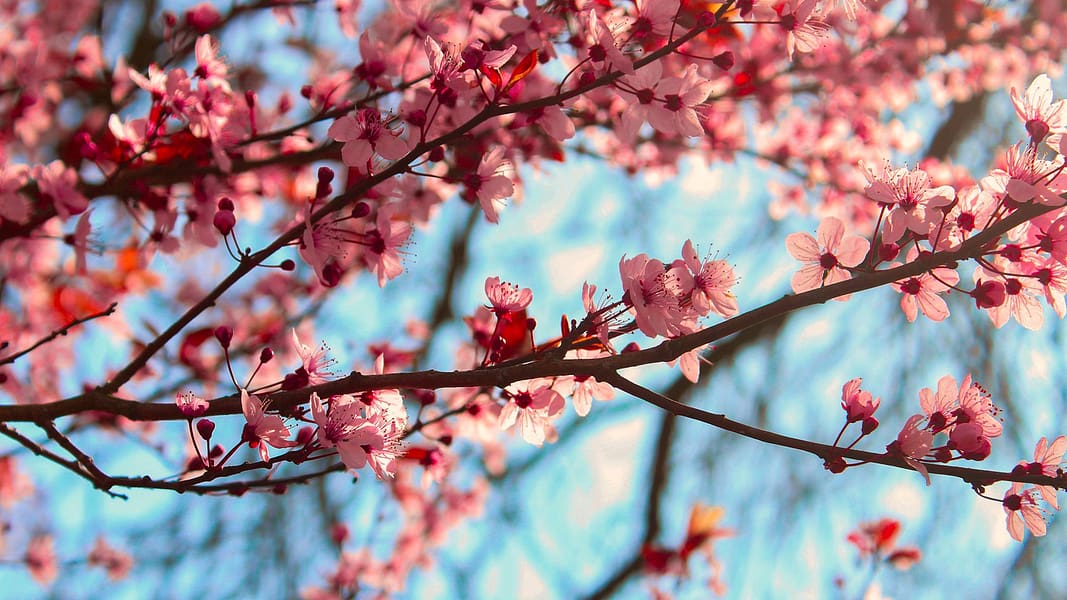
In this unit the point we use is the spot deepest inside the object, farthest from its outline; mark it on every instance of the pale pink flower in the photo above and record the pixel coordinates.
(1020, 297)
(825, 256)
(1048, 459)
(343, 427)
(79, 240)
(976, 406)
(795, 17)
(262, 429)
(13, 205)
(314, 363)
(651, 295)
(507, 297)
(1026, 177)
(382, 244)
(58, 186)
(910, 200)
(383, 461)
(446, 66)
(922, 293)
(644, 102)
(681, 97)
(40, 559)
(587, 389)
(602, 47)
(654, 17)
(939, 406)
(190, 404)
(1037, 110)
(1021, 509)
(365, 134)
(858, 404)
(599, 325)
(490, 184)
(116, 562)
(531, 403)
(208, 65)
(912, 444)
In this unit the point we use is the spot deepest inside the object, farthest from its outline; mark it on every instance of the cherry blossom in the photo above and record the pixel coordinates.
(191, 405)
(530, 405)
(262, 429)
(314, 364)
(383, 243)
(913, 443)
(507, 297)
(651, 294)
(1022, 509)
(1037, 110)
(365, 134)
(858, 404)
(1048, 458)
(490, 184)
(909, 197)
(922, 293)
(825, 257)
(343, 427)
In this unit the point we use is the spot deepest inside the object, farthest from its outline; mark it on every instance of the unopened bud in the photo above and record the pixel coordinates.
(205, 427)
(265, 355)
(224, 335)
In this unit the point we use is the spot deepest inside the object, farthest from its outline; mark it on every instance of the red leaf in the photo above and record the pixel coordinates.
(493, 75)
(525, 68)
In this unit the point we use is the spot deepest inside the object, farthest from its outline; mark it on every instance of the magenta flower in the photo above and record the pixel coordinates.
(824, 257)
(191, 405)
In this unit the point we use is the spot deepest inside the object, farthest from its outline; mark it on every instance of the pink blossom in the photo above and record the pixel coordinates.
(208, 65)
(1027, 178)
(490, 184)
(912, 444)
(681, 97)
(314, 363)
(654, 17)
(602, 47)
(382, 244)
(191, 405)
(1021, 509)
(13, 205)
(1037, 110)
(794, 17)
(909, 198)
(651, 295)
(262, 429)
(365, 134)
(40, 559)
(1048, 459)
(344, 428)
(507, 297)
(706, 283)
(858, 404)
(58, 186)
(824, 257)
(530, 404)
(446, 66)
(116, 562)
(922, 293)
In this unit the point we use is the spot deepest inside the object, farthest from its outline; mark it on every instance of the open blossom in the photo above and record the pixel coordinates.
(365, 134)
(1047, 460)
(1025, 177)
(706, 282)
(1022, 509)
(913, 443)
(507, 297)
(1037, 110)
(314, 363)
(383, 243)
(190, 404)
(262, 429)
(651, 295)
(909, 198)
(795, 17)
(602, 47)
(825, 256)
(490, 184)
(530, 405)
(343, 427)
(923, 292)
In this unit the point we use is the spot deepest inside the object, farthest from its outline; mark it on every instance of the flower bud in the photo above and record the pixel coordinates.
(205, 427)
(224, 221)
(224, 335)
(265, 355)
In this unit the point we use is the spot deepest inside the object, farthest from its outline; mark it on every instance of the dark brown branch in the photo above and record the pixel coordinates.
(976, 477)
